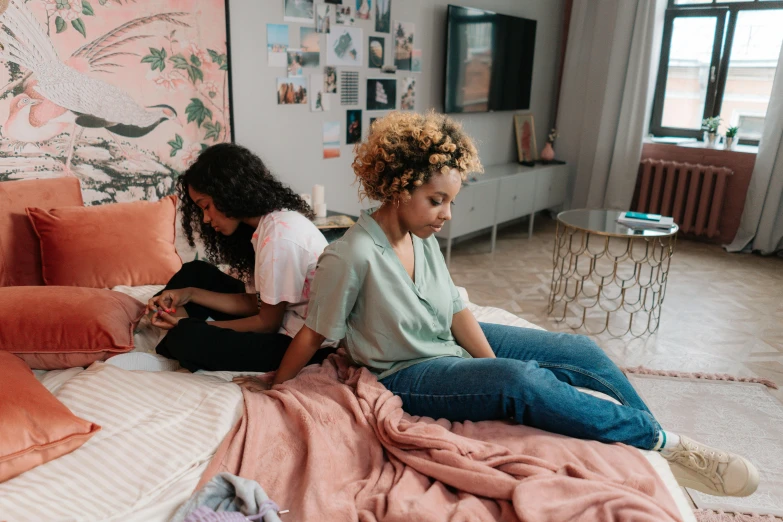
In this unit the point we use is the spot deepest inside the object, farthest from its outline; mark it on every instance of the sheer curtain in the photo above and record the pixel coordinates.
(608, 83)
(761, 226)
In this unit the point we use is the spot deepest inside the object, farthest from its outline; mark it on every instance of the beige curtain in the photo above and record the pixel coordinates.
(608, 82)
(761, 226)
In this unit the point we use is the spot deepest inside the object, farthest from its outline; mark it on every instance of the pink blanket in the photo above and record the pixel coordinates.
(334, 445)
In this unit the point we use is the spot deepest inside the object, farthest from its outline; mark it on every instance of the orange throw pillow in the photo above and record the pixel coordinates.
(108, 245)
(35, 427)
(53, 327)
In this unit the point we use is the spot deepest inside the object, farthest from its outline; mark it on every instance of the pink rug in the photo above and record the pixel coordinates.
(724, 411)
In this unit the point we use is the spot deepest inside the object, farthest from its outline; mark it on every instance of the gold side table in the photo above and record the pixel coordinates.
(607, 277)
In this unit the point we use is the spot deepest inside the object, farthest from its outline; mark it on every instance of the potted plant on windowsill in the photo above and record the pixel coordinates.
(710, 127)
(731, 134)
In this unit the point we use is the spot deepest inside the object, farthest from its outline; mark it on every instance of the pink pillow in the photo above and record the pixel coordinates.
(35, 427)
(108, 245)
(53, 327)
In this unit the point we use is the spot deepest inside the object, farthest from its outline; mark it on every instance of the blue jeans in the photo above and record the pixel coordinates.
(532, 382)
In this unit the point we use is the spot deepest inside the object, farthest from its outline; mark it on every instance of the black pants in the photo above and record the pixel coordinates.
(197, 345)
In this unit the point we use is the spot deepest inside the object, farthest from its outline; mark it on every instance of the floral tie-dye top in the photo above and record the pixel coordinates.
(287, 246)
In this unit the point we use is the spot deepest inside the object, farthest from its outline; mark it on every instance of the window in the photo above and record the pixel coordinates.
(718, 58)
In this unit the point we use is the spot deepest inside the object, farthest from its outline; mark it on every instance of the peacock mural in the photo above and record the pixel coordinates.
(122, 95)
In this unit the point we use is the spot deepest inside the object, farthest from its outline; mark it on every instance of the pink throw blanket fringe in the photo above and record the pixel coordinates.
(335, 445)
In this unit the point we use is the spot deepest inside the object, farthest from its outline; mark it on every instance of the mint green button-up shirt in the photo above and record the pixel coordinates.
(361, 292)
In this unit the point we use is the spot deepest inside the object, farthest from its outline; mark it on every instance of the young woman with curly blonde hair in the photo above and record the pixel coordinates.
(384, 288)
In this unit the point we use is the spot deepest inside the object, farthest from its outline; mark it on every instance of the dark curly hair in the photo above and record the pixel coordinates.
(241, 187)
(404, 150)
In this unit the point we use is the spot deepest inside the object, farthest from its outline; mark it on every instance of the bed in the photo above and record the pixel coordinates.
(159, 433)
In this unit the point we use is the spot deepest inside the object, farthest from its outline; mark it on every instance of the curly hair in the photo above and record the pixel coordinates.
(404, 150)
(241, 187)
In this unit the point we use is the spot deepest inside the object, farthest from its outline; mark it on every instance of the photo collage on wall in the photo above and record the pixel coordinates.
(353, 35)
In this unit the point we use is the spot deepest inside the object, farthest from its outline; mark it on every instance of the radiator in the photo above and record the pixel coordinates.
(692, 194)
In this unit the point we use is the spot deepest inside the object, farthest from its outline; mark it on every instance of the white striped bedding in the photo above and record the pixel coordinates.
(159, 431)
(157, 428)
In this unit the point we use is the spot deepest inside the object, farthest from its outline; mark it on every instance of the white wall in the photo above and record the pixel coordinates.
(289, 137)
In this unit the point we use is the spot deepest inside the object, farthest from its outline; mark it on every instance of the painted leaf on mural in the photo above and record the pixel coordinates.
(79, 26)
(194, 72)
(156, 58)
(87, 8)
(213, 131)
(197, 111)
(176, 145)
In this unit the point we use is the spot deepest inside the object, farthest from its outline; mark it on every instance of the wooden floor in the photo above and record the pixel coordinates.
(722, 312)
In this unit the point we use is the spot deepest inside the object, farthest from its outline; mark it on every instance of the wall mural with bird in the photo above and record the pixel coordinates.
(121, 94)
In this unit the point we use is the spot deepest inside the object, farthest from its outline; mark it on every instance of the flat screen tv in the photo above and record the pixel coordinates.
(489, 61)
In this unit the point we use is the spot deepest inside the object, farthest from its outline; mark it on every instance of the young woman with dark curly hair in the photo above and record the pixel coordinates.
(384, 288)
(259, 228)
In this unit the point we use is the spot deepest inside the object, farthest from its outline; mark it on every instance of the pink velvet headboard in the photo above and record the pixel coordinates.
(20, 253)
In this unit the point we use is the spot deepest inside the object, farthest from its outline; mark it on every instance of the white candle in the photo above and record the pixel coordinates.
(318, 194)
(320, 210)
(307, 199)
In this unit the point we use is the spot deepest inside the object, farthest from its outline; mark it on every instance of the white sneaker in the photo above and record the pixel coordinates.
(710, 470)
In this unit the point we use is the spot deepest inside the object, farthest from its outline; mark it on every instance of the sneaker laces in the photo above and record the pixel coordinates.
(695, 459)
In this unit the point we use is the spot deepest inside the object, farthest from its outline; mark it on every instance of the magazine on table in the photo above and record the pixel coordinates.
(646, 221)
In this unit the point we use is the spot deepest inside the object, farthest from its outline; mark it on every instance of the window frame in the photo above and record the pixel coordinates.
(726, 14)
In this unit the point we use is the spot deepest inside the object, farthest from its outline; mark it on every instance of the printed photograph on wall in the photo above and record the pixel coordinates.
(375, 52)
(403, 45)
(349, 87)
(298, 11)
(353, 126)
(344, 47)
(343, 15)
(330, 79)
(309, 41)
(331, 130)
(408, 96)
(295, 60)
(318, 100)
(526, 137)
(121, 95)
(363, 8)
(292, 91)
(310, 44)
(416, 60)
(323, 18)
(382, 16)
(277, 45)
(381, 94)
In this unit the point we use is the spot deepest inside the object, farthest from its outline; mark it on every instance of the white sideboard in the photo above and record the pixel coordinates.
(504, 193)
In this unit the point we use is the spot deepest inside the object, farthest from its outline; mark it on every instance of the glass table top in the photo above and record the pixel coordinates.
(604, 222)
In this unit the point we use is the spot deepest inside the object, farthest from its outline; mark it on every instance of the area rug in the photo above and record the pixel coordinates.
(743, 417)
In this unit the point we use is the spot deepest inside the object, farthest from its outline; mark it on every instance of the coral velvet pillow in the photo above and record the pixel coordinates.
(108, 245)
(53, 327)
(35, 427)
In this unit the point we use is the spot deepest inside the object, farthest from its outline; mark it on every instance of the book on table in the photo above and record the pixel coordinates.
(333, 222)
(644, 220)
